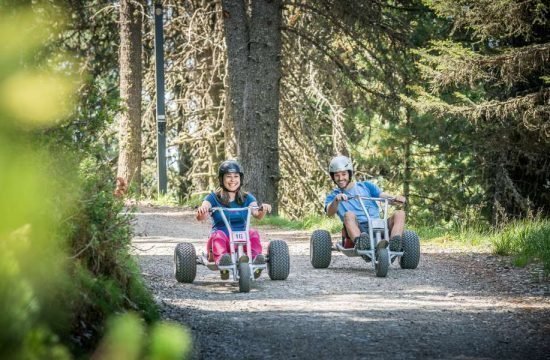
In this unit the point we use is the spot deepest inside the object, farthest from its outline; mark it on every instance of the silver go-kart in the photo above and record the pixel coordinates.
(241, 269)
(377, 252)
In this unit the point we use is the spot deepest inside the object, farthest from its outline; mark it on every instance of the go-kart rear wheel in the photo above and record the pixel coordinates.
(320, 249)
(411, 250)
(185, 263)
(382, 262)
(244, 277)
(278, 263)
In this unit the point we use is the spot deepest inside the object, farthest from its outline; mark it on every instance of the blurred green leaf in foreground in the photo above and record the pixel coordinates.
(39, 191)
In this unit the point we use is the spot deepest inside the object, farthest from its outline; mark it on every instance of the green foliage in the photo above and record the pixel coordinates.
(310, 222)
(169, 341)
(488, 74)
(193, 200)
(473, 235)
(527, 241)
(106, 275)
(32, 258)
(128, 338)
(64, 238)
(163, 200)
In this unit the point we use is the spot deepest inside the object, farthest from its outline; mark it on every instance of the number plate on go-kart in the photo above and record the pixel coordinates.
(239, 236)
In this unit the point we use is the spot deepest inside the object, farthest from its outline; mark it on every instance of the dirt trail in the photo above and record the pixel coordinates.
(456, 305)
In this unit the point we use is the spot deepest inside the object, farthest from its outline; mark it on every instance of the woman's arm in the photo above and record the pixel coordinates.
(202, 211)
(260, 213)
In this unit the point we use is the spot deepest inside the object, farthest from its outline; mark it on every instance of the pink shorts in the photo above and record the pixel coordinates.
(218, 244)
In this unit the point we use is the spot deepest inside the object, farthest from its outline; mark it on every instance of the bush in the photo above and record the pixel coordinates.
(107, 278)
(527, 241)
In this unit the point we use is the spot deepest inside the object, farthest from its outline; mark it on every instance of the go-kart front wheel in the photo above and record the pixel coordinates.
(244, 277)
(382, 262)
(185, 263)
(320, 249)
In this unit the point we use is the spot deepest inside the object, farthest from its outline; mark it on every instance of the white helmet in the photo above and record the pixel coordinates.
(340, 163)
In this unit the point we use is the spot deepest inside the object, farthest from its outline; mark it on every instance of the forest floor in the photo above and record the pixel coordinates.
(458, 304)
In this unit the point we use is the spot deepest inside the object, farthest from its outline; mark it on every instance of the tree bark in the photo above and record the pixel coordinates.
(129, 159)
(257, 129)
(407, 174)
(236, 40)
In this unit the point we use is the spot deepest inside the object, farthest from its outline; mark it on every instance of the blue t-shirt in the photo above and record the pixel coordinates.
(364, 188)
(237, 219)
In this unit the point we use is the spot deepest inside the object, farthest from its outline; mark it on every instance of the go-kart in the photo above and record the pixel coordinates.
(378, 251)
(242, 269)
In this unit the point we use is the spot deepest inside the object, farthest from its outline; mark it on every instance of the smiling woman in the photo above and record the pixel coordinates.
(230, 195)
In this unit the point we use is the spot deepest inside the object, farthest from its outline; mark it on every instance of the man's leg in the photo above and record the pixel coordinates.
(354, 231)
(352, 227)
(396, 224)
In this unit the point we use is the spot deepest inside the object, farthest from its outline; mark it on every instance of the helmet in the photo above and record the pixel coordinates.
(340, 163)
(229, 166)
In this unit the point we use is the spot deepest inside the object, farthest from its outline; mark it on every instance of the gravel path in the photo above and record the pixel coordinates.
(456, 305)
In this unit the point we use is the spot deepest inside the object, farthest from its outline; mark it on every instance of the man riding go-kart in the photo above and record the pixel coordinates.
(364, 232)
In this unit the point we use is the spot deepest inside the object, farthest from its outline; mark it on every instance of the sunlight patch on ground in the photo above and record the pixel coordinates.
(348, 304)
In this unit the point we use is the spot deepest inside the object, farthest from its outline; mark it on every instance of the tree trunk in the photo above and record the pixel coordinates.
(257, 127)
(129, 159)
(407, 175)
(236, 40)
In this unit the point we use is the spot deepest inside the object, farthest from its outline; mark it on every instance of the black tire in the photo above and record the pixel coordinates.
(185, 261)
(320, 249)
(244, 277)
(382, 265)
(411, 250)
(278, 264)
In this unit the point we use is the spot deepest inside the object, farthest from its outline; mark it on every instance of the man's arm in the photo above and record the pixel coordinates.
(332, 208)
(397, 198)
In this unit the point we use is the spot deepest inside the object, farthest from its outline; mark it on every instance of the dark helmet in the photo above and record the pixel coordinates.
(340, 163)
(229, 166)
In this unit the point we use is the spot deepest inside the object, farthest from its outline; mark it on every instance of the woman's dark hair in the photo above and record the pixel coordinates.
(223, 197)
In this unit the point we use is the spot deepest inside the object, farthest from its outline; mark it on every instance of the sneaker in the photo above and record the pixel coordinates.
(362, 242)
(225, 260)
(258, 260)
(395, 243)
(382, 244)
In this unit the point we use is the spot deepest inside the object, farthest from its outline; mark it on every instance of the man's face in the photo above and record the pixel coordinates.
(341, 178)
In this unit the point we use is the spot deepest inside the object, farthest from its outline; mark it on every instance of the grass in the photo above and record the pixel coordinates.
(527, 241)
(311, 222)
(193, 201)
(163, 200)
(472, 236)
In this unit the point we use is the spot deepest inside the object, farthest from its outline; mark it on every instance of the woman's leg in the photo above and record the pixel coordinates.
(219, 244)
(255, 243)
